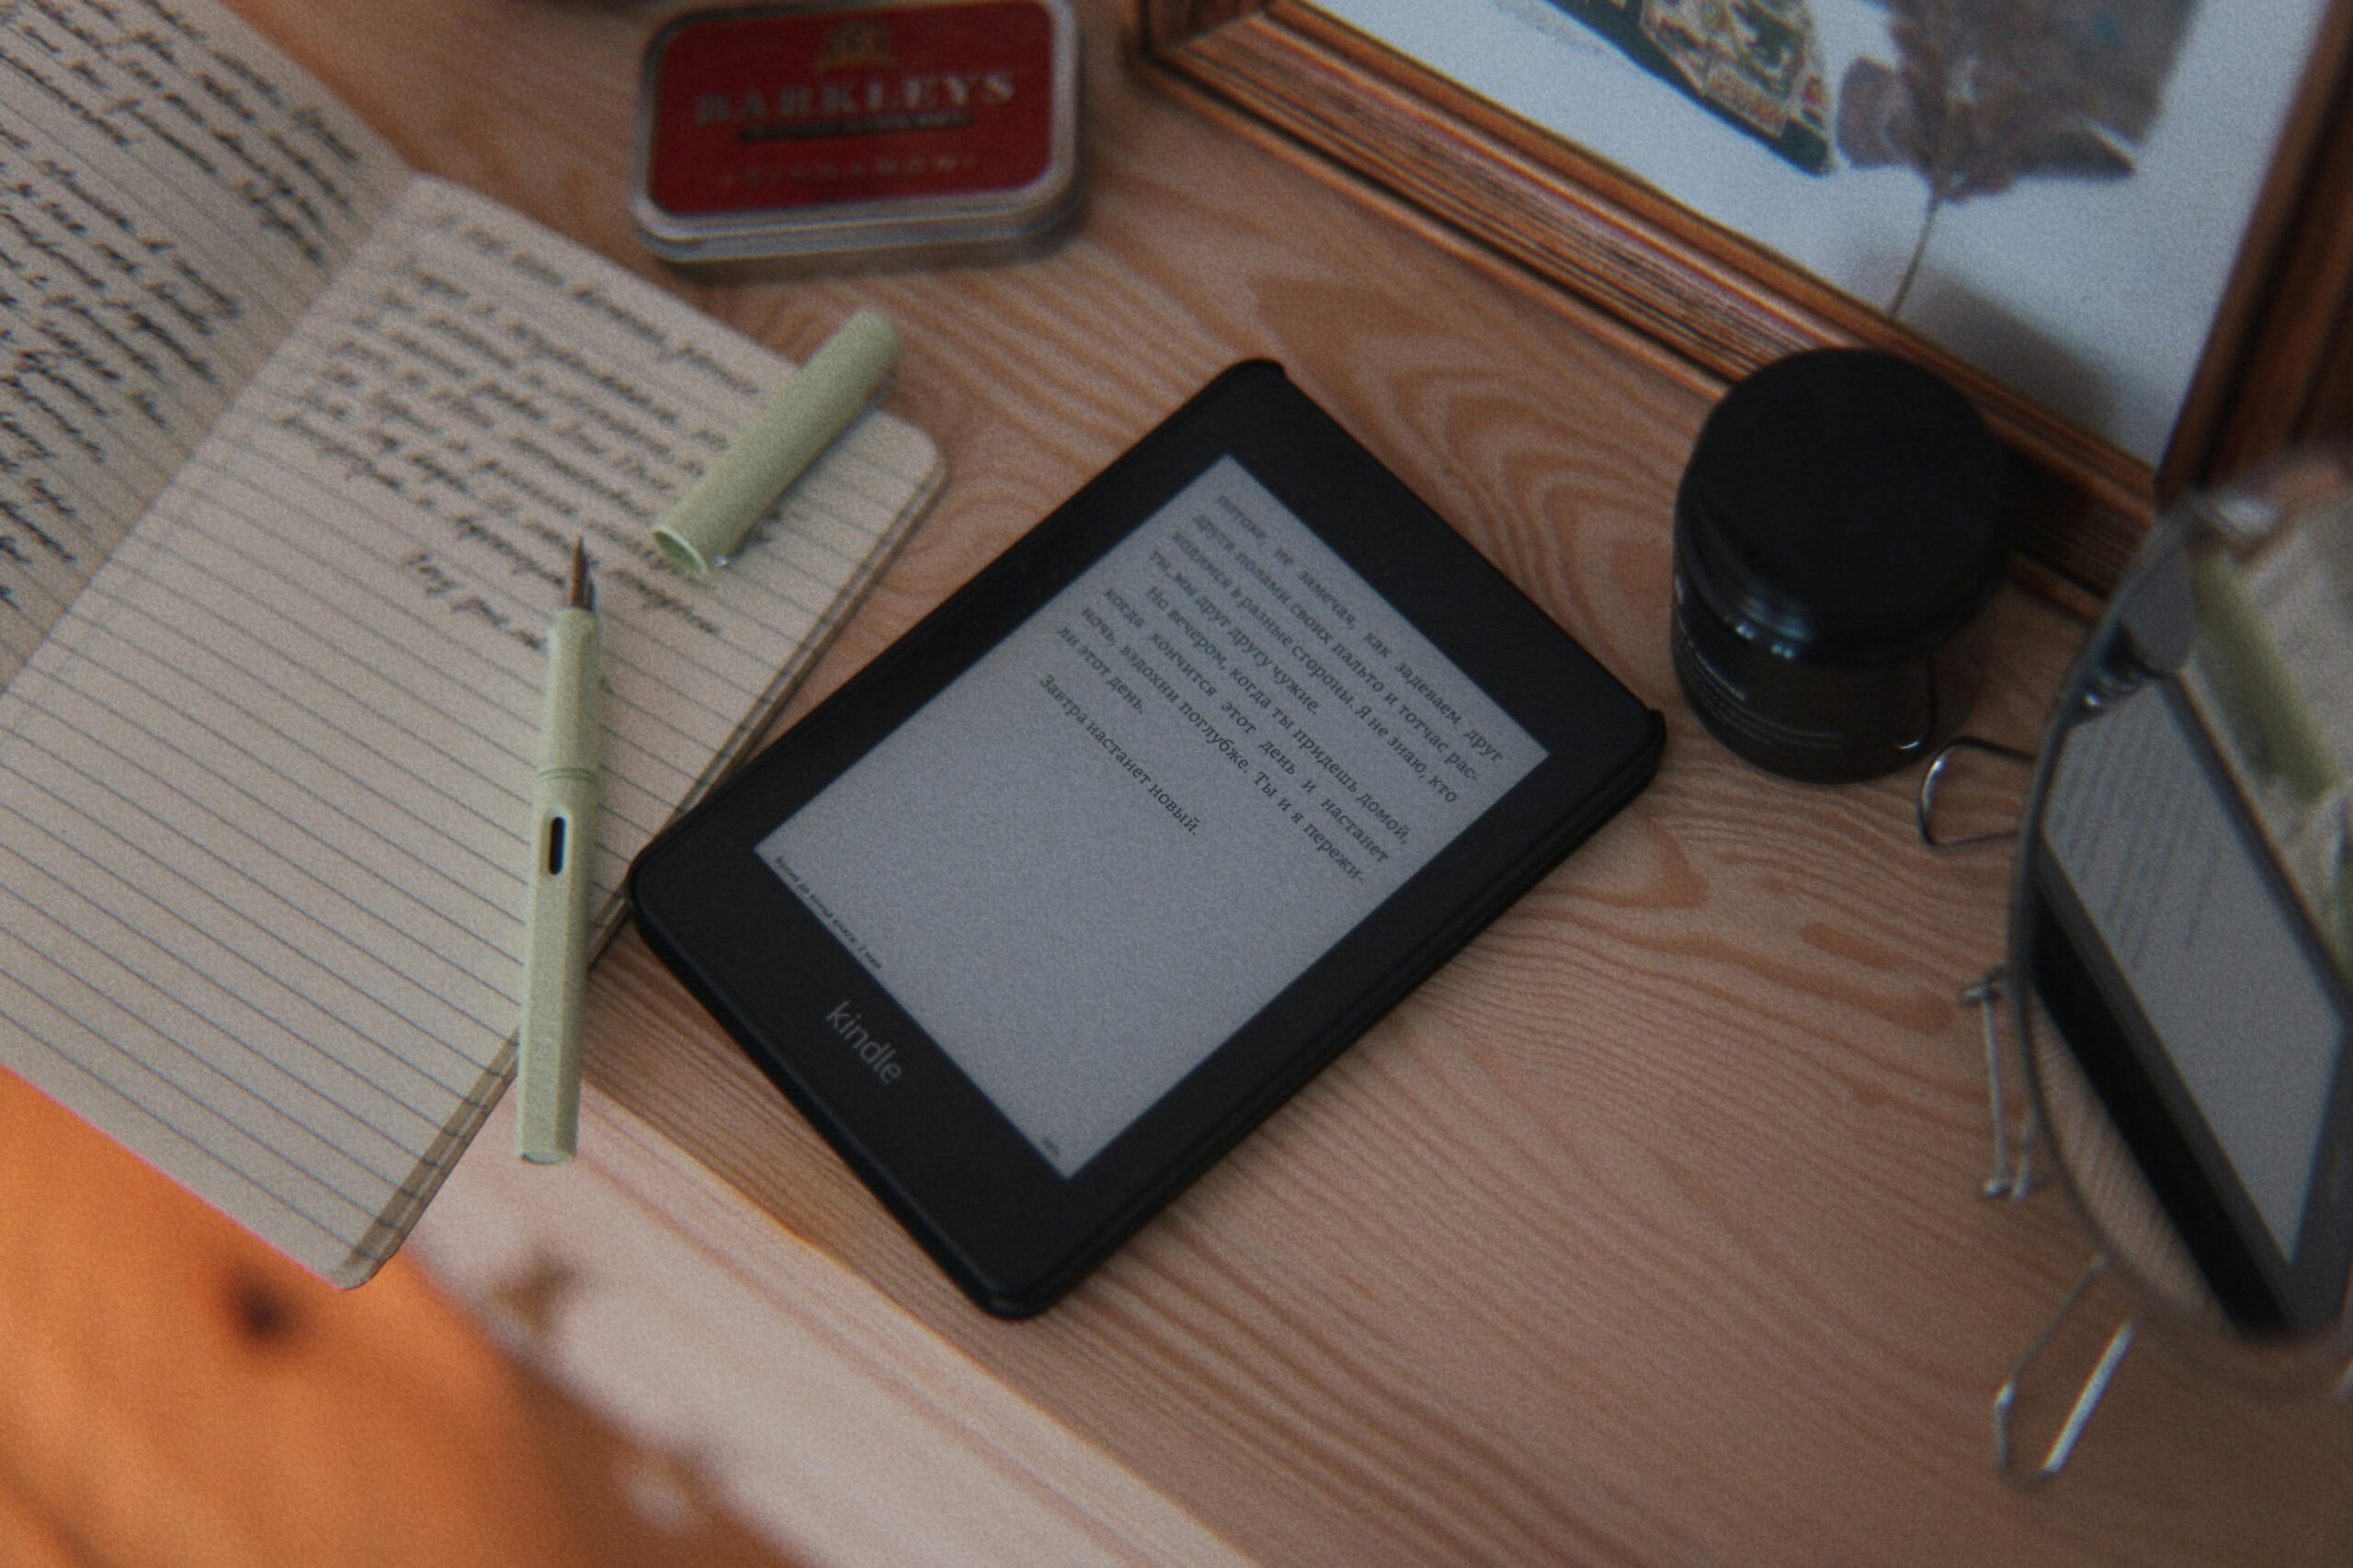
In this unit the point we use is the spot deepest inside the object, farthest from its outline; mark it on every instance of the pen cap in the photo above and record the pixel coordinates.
(711, 521)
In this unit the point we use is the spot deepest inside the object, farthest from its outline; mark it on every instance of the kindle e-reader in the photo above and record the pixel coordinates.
(2203, 1004)
(1088, 872)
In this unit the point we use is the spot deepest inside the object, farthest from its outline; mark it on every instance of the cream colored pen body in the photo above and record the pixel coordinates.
(564, 793)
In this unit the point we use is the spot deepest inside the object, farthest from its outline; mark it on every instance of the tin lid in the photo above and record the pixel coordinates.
(857, 126)
(1845, 502)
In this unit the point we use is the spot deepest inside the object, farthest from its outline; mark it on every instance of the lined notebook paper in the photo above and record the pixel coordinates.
(264, 782)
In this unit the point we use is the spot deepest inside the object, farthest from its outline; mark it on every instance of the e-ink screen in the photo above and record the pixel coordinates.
(2172, 885)
(1101, 849)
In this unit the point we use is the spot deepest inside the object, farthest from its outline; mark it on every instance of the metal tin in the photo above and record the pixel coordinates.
(844, 131)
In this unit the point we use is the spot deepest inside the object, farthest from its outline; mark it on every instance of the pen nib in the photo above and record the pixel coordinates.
(583, 596)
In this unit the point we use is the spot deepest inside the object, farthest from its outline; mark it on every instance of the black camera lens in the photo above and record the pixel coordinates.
(1838, 537)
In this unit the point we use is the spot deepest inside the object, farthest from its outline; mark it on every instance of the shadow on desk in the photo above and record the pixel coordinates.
(172, 1390)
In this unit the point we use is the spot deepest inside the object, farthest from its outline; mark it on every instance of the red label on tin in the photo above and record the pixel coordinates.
(815, 110)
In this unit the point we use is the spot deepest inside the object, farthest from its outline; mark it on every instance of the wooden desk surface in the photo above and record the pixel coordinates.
(1647, 1231)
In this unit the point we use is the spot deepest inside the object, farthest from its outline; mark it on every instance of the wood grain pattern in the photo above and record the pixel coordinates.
(1731, 306)
(790, 1395)
(1645, 1232)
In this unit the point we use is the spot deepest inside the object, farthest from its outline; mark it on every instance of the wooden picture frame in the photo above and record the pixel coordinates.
(2278, 366)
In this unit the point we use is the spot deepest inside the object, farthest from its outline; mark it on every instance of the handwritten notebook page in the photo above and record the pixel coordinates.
(175, 195)
(263, 791)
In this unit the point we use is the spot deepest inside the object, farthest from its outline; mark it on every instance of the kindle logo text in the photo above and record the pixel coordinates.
(882, 1057)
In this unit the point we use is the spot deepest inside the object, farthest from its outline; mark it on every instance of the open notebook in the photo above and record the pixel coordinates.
(291, 460)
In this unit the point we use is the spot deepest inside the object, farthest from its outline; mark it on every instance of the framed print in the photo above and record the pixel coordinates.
(2123, 227)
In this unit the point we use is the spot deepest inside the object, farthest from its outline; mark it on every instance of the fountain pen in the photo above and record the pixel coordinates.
(563, 864)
